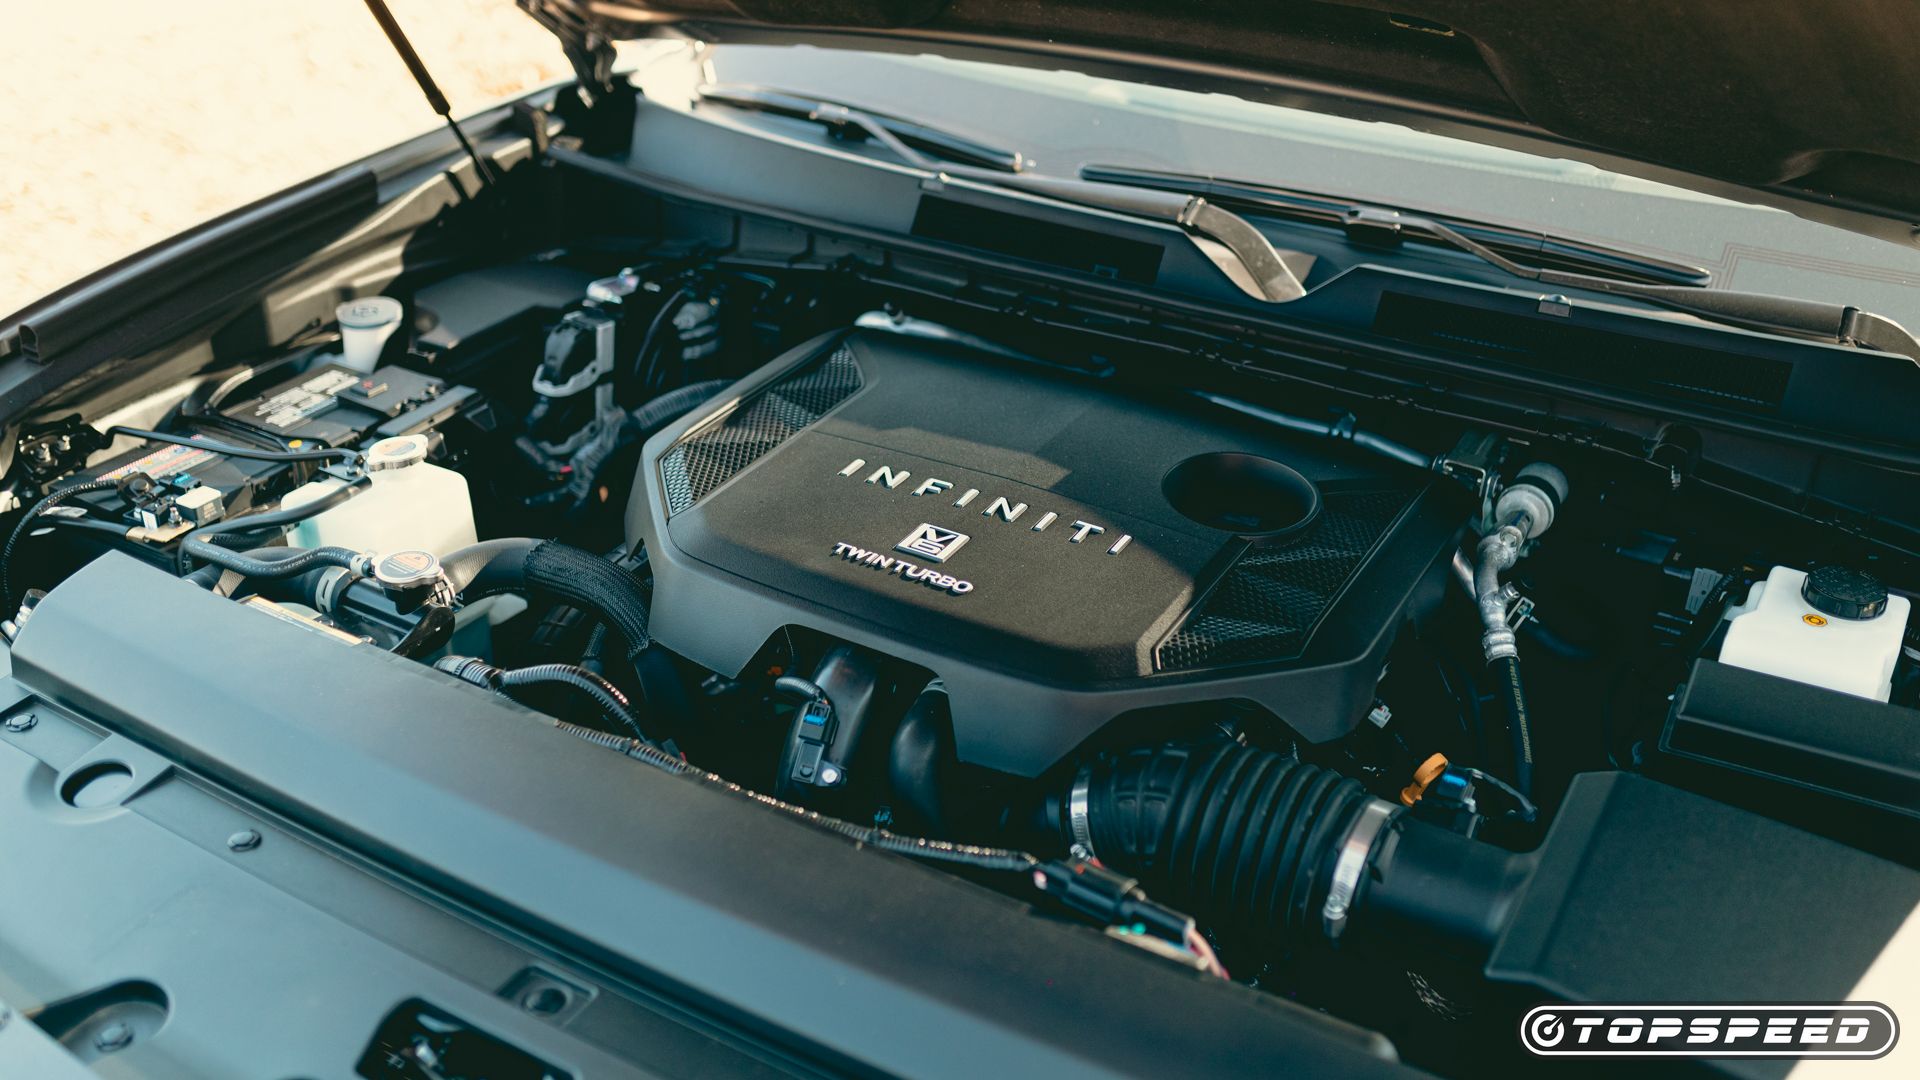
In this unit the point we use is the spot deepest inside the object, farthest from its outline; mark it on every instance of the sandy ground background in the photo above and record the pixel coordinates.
(123, 122)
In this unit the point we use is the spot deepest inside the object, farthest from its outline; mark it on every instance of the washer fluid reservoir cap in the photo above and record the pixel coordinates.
(369, 313)
(1845, 593)
(396, 453)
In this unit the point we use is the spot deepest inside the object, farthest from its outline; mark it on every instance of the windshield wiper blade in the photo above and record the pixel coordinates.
(1274, 275)
(1382, 226)
(944, 145)
(1839, 323)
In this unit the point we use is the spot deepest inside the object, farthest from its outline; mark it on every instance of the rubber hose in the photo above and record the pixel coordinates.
(269, 519)
(1243, 839)
(1507, 673)
(580, 577)
(207, 577)
(489, 566)
(592, 582)
(921, 758)
(290, 566)
(674, 404)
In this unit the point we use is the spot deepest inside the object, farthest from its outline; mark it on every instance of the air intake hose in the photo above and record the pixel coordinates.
(1268, 851)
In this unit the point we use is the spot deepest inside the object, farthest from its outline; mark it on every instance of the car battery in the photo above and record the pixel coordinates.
(328, 405)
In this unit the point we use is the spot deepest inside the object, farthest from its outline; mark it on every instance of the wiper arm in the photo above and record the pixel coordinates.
(1840, 323)
(1378, 226)
(1276, 275)
(919, 138)
(1622, 274)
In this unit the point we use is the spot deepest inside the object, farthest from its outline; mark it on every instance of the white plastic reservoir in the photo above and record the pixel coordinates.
(412, 503)
(1842, 631)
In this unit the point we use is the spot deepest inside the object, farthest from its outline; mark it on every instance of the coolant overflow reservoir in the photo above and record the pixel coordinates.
(412, 503)
(1836, 627)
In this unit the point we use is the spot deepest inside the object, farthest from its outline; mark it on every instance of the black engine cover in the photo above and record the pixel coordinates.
(1058, 553)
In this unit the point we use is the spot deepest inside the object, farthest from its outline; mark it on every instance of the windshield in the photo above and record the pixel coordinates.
(1064, 120)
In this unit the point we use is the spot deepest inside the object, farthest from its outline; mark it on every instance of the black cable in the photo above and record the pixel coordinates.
(643, 359)
(603, 692)
(258, 435)
(89, 524)
(596, 645)
(47, 502)
(1524, 808)
(248, 452)
(1507, 671)
(973, 855)
(502, 680)
(484, 675)
(267, 519)
(205, 399)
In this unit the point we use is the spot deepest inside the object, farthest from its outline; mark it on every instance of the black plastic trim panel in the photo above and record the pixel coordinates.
(861, 958)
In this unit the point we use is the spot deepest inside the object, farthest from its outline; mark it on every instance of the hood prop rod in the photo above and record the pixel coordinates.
(435, 98)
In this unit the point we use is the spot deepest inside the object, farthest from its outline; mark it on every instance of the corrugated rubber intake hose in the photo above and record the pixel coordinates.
(1245, 840)
(1251, 842)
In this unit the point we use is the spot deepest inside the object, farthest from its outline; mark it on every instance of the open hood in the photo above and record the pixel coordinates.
(1808, 105)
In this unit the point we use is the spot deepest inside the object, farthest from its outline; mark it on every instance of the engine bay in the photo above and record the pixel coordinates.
(1226, 669)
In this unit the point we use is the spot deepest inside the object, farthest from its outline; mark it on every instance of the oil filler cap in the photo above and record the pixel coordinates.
(1844, 593)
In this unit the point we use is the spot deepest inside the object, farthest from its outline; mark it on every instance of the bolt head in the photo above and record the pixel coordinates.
(114, 1036)
(19, 722)
(244, 840)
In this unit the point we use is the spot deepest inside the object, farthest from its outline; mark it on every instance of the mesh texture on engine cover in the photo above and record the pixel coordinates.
(713, 454)
(1266, 605)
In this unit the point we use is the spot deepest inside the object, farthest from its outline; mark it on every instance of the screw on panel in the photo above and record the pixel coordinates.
(114, 1036)
(244, 840)
(19, 722)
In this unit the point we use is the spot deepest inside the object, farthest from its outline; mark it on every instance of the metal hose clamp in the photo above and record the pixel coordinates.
(1078, 825)
(1352, 863)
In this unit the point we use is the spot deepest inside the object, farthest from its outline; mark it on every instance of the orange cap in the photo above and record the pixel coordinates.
(1427, 773)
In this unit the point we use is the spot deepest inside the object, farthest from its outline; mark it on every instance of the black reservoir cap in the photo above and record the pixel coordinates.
(1845, 593)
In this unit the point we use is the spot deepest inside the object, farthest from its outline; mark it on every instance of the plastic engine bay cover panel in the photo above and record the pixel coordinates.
(1056, 552)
